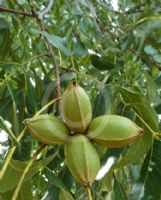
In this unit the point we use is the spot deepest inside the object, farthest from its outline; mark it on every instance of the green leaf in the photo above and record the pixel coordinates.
(64, 195)
(66, 177)
(158, 109)
(119, 193)
(38, 86)
(153, 43)
(140, 104)
(5, 43)
(135, 152)
(104, 101)
(147, 25)
(4, 127)
(141, 146)
(16, 22)
(151, 173)
(151, 88)
(129, 38)
(15, 122)
(15, 169)
(3, 24)
(79, 49)
(54, 179)
(21, 2)
(149, 18)
(25, 149)
(56, 41)
(24, 194)
(30, 94)
(52, 193)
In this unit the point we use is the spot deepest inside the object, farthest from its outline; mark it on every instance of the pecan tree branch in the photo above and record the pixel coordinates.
(49, 46)
(55, 63)
(147, 60)
(17, 12)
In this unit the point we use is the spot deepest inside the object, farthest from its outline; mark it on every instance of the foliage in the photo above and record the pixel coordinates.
(36, 50)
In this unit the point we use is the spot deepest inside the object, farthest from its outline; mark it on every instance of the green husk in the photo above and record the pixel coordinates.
(113, 131)
(47, 129)
(76, 108)
(82, 159)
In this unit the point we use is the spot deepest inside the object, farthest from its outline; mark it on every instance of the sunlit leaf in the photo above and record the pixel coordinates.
(15, 169)
(56, 41)
(64, 195)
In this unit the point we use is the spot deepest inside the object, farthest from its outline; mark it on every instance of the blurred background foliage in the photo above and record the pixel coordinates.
(113, 50)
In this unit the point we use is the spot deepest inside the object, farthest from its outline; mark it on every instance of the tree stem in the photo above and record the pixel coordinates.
(17, 12)
(49, 47)
(89, 193)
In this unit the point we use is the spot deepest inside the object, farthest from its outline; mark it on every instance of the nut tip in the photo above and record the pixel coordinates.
(74, 82)
(141, 131)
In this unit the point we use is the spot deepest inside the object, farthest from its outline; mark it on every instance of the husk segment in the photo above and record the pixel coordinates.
(76, 108)
(47, 129)
(113, 131)
(82, 159)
